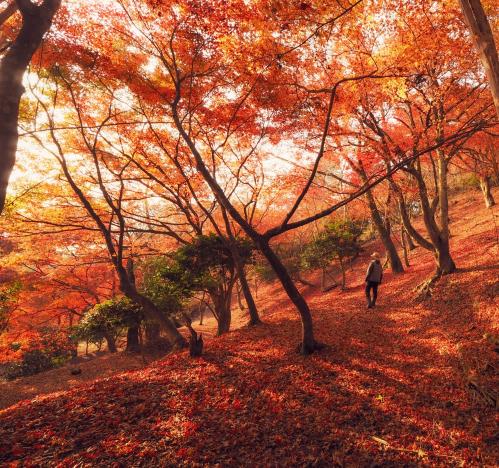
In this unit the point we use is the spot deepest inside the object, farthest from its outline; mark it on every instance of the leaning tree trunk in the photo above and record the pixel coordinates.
(150, 310)
(439, 235)
(253, 311)
(410, 243)
(487, 194)
(381, 227)
(483, 40)
(36, 21)
(308, 344)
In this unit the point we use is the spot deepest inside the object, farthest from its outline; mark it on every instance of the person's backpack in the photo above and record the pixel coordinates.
(376, 272)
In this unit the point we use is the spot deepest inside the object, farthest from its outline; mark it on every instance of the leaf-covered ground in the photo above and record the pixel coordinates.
(405, 384)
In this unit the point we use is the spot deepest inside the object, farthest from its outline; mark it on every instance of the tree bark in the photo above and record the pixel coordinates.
(252, 309)
(487, 194)
(343, 274)
(483, 40)
(411, 231)
(410, 243)
(241, 274)
(404, 236)
(308, 344)
(201, 313)
(132, 340)
(151, 311)
(36, 21)
(222, 312)
(111, 343)
(152, 333)
(445, 264)
(439, 236)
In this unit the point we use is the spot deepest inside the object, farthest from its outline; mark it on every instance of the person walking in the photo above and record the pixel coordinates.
(374, 277)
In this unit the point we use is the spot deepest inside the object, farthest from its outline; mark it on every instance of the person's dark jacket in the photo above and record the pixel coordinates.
(374, 272)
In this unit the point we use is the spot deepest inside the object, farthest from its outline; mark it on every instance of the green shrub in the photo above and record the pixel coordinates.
(48, 349)
(107, 320)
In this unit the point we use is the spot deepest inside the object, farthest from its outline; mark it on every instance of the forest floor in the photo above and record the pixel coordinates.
(405, 384)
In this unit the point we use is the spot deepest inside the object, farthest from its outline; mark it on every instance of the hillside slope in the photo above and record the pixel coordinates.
(404, 384)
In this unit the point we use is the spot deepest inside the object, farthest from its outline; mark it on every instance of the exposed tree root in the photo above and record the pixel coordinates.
(479, 392)
(300, 280)
(424, 290)
(330, 287)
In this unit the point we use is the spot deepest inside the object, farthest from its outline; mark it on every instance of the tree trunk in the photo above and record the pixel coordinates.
(223, 322)
(443, 196)
(483, 40)
(222, 312)
(308, 344)
(487, 194)
(253, 311)
(239, 264)
(153, 333)
(445, 264)
(343, 274)
(222, 301)
(410, 243)
(153, 313)
(36, 21)
(111, 343)
(297, 277)
(201, 313)
(239, 299)
(382, 228)
(127, 286)
(411, 231)
(404, 236)
(132, 340)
